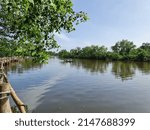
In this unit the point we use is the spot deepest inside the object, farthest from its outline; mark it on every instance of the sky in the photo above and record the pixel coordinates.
(110, 21)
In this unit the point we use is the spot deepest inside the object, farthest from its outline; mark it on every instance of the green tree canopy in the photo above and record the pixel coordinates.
(30, 24)
(123, 47)
(145, 46)
(123, 50)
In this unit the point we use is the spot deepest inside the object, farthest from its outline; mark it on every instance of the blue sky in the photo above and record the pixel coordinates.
(110, 21)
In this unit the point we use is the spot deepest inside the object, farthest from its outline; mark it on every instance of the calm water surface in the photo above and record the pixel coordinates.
(82, 86)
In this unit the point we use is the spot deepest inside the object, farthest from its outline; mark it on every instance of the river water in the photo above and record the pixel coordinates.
(82, 86)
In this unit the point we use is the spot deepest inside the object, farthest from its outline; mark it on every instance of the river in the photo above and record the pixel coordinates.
(82, 86)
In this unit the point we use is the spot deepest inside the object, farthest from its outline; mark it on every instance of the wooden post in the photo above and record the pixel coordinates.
(4, 100)
(17, 100)
(1, 77)
(5, 87)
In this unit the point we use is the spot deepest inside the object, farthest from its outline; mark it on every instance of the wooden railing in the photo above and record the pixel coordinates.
(6, 90)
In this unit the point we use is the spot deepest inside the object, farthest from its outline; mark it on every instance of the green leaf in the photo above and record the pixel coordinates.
(31, 1)
(33, 26)
(53, 5)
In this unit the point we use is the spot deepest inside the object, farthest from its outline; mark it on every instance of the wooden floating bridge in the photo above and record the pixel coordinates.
(6, 90)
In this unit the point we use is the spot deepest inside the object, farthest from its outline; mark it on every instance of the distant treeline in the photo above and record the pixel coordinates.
(122, 50)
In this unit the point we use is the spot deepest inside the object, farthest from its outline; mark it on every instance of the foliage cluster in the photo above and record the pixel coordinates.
(27, 27)
(122, 50)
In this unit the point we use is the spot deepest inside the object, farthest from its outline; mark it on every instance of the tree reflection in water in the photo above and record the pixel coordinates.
(20, 67)
(120, 69)
(123, 70)
(93, 66)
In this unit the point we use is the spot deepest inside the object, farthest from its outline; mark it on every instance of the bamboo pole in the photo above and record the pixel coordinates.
(17, 100)
(4, 100)
(1, 78)
(5, 105)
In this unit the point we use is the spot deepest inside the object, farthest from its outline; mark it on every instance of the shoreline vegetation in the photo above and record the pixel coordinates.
(122, 51)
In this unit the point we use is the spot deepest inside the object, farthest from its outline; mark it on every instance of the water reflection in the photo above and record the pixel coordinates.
(25, 65)
(143, 67)
(121, 70)
(90, 65)
(83, 86)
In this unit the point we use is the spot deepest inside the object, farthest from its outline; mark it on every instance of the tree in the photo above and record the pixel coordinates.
(64, 54)
(143, 52)
(145, 46)
(75, 53)
(100, 52)
(31, 24)
(123, 47)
